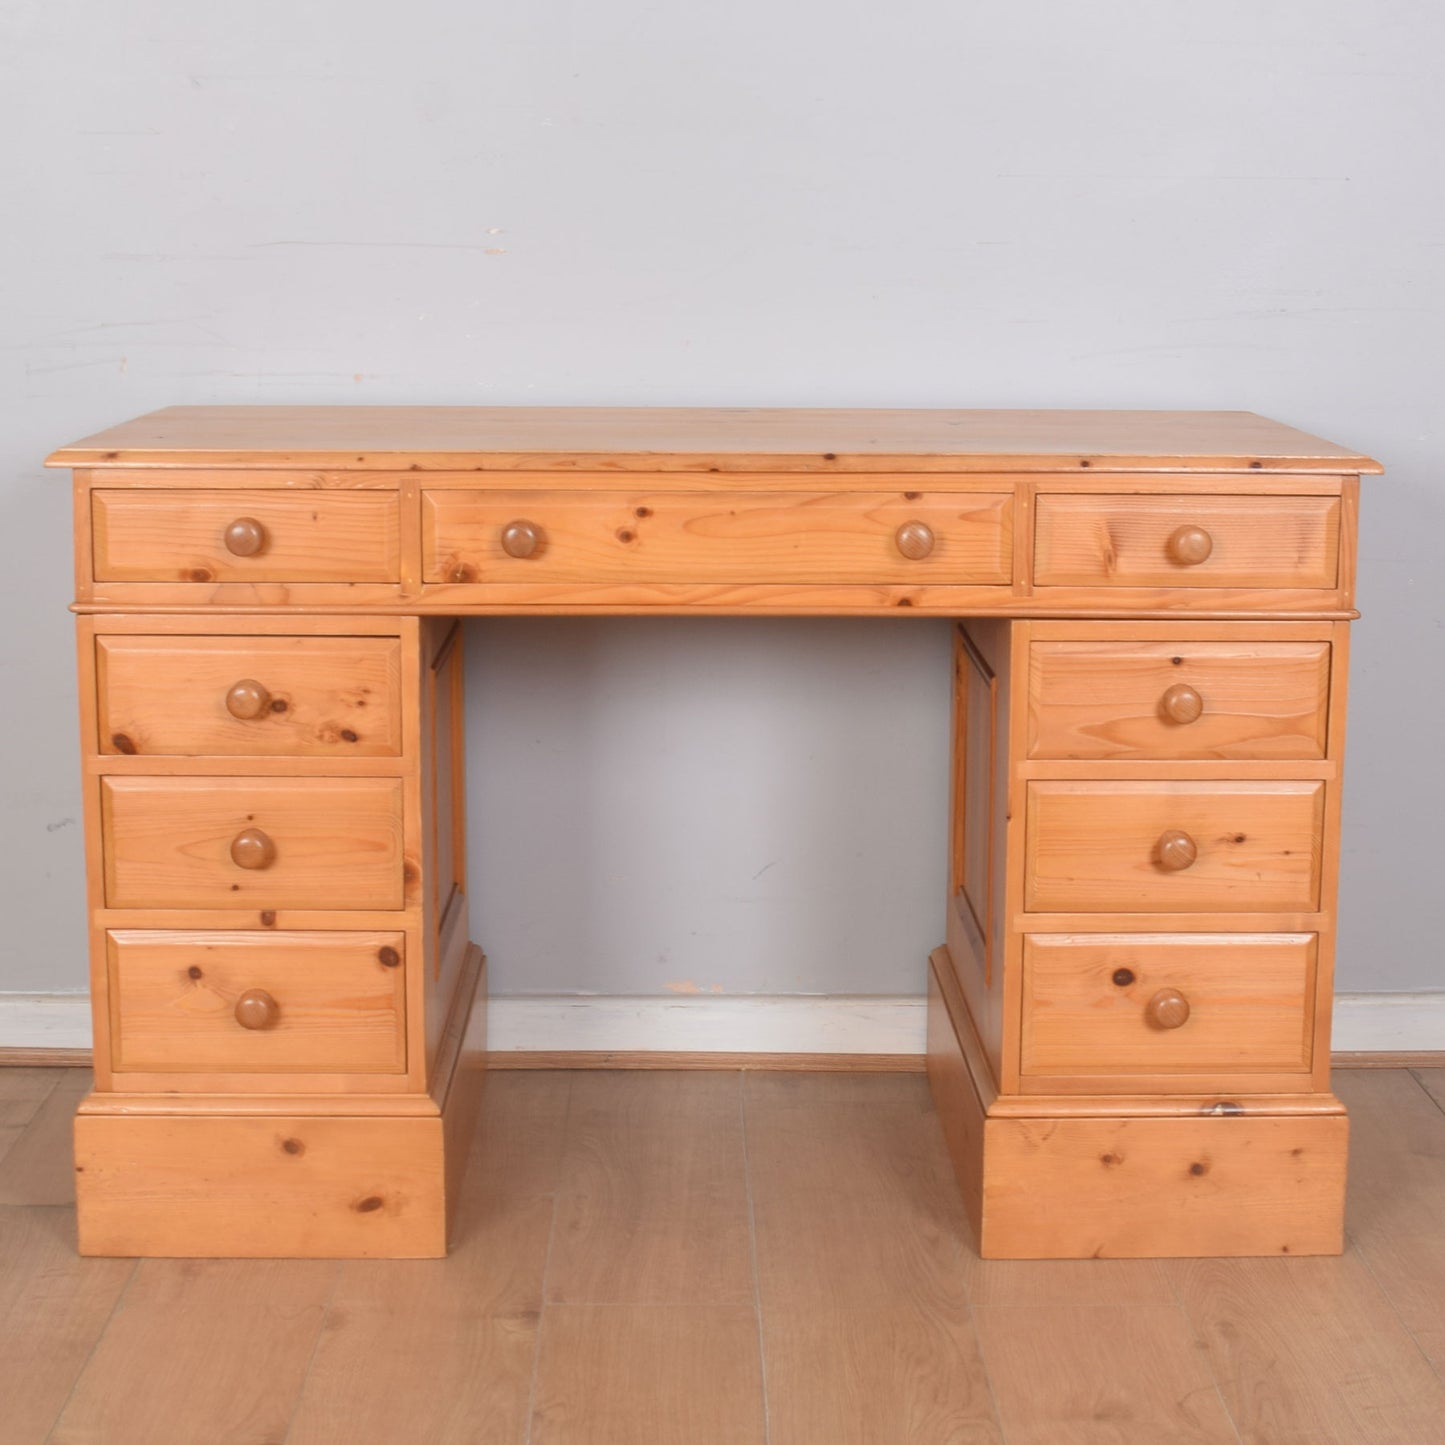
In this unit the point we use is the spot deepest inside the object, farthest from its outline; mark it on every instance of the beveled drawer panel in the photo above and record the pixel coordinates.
(197, 696)
(159, 535)
(1180, 699)
(1186, 541)
(733, 536)
(1148, 1003)
(257, 1002)
(252, 842)
(1173, 846)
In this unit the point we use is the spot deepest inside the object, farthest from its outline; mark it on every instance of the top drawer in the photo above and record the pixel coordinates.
(1181, 540)
(734, 536)
(161, 535)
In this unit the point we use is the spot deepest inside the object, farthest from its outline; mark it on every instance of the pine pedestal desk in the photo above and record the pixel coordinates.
(1128, 1024)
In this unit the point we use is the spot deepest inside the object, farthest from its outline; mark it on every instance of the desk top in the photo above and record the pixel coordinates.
(690, 439)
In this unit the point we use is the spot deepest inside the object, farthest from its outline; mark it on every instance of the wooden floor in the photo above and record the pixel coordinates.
(723, 1259)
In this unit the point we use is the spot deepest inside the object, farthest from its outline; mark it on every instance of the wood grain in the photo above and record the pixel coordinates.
(653, 1206)
(164, 536)
(648, 1375)
(1096, 699)
(658, 536)
(1251, 998)
(38, 1167)
(167, 842)
(1396, 1202)
(1093, 846)
(866, 1376)
(173, 998)
(1258, 541)
(221, 1346)
(327, 697)
(1081, 1374)
(22, 1092)
(53, 1308)
(1309, 1352)
(679, 438)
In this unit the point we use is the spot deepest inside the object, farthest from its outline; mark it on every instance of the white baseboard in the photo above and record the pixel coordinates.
(742, 1024)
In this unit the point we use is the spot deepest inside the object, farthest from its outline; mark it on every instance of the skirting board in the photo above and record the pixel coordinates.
(1364, 1023)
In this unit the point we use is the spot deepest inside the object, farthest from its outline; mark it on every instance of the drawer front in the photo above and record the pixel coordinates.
(1140, 1003)
(244, 1002)
(1173, 846)
(158, 535)
(799, 537)
(252, 842)
(1184, 699)
(298, 697)
(1186, 541)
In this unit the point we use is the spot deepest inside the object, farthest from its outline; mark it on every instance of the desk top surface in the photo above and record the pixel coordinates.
(691, 439)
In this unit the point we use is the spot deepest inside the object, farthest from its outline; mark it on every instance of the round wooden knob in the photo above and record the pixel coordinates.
(1177, 850)
(245, 537)
(256, 1009)
(251, 848)
(1168, 1009)
(915, 540)
(1189, 546)
(522, 539)
(247, 699)
(1180, 703)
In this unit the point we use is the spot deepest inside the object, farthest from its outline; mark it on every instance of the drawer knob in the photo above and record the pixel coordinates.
(1181, 704)
(522, 539)
(1168, 1009)
(1177, 850)
(915, 540)
(1189, 546)
(251, 848)
(256, 1009)
(247, 699)
(245, 537)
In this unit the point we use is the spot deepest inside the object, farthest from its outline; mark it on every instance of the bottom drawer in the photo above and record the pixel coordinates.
(257, 1002)
(1148, 1003)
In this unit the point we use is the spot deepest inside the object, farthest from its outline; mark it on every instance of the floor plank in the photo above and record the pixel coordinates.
(466, 1326)
(1309, 1352)
(39, 1166)
(1432, 1081)
(649, 1375)
(53, 1307)
(1396, 1204)
(1100, 1375)
(201, 1352)
(653, 1204)
(879, 1375)
(521, 1132)
(22, 1091)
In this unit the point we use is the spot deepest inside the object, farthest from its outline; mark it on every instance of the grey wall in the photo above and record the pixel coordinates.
(1026, 202)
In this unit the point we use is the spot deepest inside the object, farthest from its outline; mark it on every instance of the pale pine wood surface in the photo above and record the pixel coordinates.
(694, 438)
(863, 1316)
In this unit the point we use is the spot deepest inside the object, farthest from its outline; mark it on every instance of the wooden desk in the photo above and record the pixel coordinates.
(1129, 1024)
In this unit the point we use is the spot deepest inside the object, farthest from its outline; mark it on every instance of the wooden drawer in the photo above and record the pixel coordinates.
(1149, 1003)
(747, 536)
(1124, 847)
(249, 696)
(305, 842)
(1178, 699)
(1157, 541)
(244, 1002)
(158, 535)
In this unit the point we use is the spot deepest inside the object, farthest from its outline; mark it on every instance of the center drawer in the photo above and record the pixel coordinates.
(252, 842)
(734, 536)
(1151, 847)
(244, 1002)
